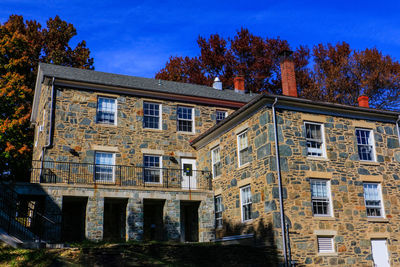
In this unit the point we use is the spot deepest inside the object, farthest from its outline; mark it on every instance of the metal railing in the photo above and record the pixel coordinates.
(18, 218)
(55, 172)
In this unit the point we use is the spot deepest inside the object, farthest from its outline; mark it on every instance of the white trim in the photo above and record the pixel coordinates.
(238, 146)
(323, 146)
(115, 111)
(379, 188)
(326, 238)
(159, 115)
(372, 138)
(241, 202)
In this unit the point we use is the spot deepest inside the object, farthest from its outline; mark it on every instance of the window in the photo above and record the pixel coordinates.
(220, 115)
(325, 244)
(216, 162)
(315, 139)
(245, 198)
(320, 197)
(151, 115)
(373, 199)
(218, 211)
(365, 143)
(185, 119)
(243, 148)
(152, 168)
(104, 170)
(106, 110)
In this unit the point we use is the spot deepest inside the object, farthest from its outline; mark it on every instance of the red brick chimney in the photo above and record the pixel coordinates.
(287, 74)
(238, 82)
(363, 101)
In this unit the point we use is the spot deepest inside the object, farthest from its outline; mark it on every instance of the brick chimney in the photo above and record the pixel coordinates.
(287, 74)
(363, 101)
(238, 82)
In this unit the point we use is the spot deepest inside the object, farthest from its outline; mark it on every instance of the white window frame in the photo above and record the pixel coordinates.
(159, 115)
(218, 211)
(222, 111)
(112, 168)
(326, 239)
(329, 198)
(154, 168)
(180, 119)
(381, 206)
(214, 162)
(243, 190)
(371, 139)
(115, 111)
(323, 148)
(239, 149)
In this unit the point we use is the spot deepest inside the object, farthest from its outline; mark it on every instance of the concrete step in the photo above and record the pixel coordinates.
(10, 240)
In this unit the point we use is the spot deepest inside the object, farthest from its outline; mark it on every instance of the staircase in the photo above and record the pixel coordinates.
(20, 225)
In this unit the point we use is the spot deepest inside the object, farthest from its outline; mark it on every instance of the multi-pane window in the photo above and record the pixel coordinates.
(320, 197)
(185, 119)
(314, 139)
(216, 162)
(220, 115)
(325, 244)
(152, 168)
(243, 148)
(106, 110)
(218, 211)
(151, 115)
(104, 168)
(365, 143)
(373, 199)
(245, 197)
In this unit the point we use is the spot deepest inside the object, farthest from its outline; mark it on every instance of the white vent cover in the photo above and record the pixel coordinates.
(325, 244)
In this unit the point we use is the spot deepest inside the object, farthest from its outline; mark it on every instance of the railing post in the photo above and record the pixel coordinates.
(94, 173)
(69, 172)
(167, 179)
(120, 175)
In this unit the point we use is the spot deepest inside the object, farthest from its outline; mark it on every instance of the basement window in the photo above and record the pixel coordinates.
(325, 244)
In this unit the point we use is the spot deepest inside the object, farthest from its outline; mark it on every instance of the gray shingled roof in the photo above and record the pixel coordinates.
(97, 77)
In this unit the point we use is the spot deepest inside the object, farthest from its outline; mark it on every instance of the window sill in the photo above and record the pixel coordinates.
(218, 177)
(188, 133)
(317, 158)
(372, 163)
(326, 254)
(248, 221)
(243, 166)
(106, 125)
(152, 129)
(323, 218)
(378, 220)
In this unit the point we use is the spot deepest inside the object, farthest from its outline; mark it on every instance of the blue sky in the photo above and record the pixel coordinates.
(138, 37)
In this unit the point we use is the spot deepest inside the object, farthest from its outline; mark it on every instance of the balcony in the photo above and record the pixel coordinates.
(54, 172)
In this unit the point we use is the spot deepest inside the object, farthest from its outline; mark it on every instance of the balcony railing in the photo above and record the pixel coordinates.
(55, 172)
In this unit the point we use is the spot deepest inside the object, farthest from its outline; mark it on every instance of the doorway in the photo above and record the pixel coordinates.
(189, 180)
(73, 218)
(115, 219)
(190, 221)
(380, 252)
(153, 228)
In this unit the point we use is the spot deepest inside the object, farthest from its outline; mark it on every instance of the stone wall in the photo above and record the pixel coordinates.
(351, 228)
(76, 128)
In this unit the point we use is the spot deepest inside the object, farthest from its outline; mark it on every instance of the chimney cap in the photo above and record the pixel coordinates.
(216, 79)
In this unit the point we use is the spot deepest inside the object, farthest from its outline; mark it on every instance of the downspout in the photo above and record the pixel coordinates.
(278, 169)
(398, 128)
(50, 137)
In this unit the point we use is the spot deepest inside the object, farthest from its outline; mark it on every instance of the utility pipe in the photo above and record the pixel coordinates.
(50, 137)
(398, 128)
(278, 169)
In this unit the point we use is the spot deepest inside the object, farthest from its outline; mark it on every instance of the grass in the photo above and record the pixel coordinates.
(138, 254)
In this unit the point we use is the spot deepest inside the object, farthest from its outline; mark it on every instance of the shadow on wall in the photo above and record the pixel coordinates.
(263, 237)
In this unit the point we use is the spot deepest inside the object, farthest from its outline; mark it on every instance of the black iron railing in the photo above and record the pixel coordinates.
(55, 172)
(20, 217)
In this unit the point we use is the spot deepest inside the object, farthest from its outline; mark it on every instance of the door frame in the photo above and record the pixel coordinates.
(192, 184)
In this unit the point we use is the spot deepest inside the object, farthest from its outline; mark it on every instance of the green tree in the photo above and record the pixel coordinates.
(22, 46)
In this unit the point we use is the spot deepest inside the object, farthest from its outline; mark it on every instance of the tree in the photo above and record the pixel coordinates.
(341, 74)
(22, 46)
(245, 54)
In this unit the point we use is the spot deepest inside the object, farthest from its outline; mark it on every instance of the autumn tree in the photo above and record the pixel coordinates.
(22, 46)
(245, 54)
(341, 74)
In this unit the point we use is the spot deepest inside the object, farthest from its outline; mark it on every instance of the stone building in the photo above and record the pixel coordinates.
(112, 158)
(335, 188)
(131, 158)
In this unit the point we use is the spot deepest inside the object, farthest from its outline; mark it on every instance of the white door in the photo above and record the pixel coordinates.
(189, 180)
(380, 253)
